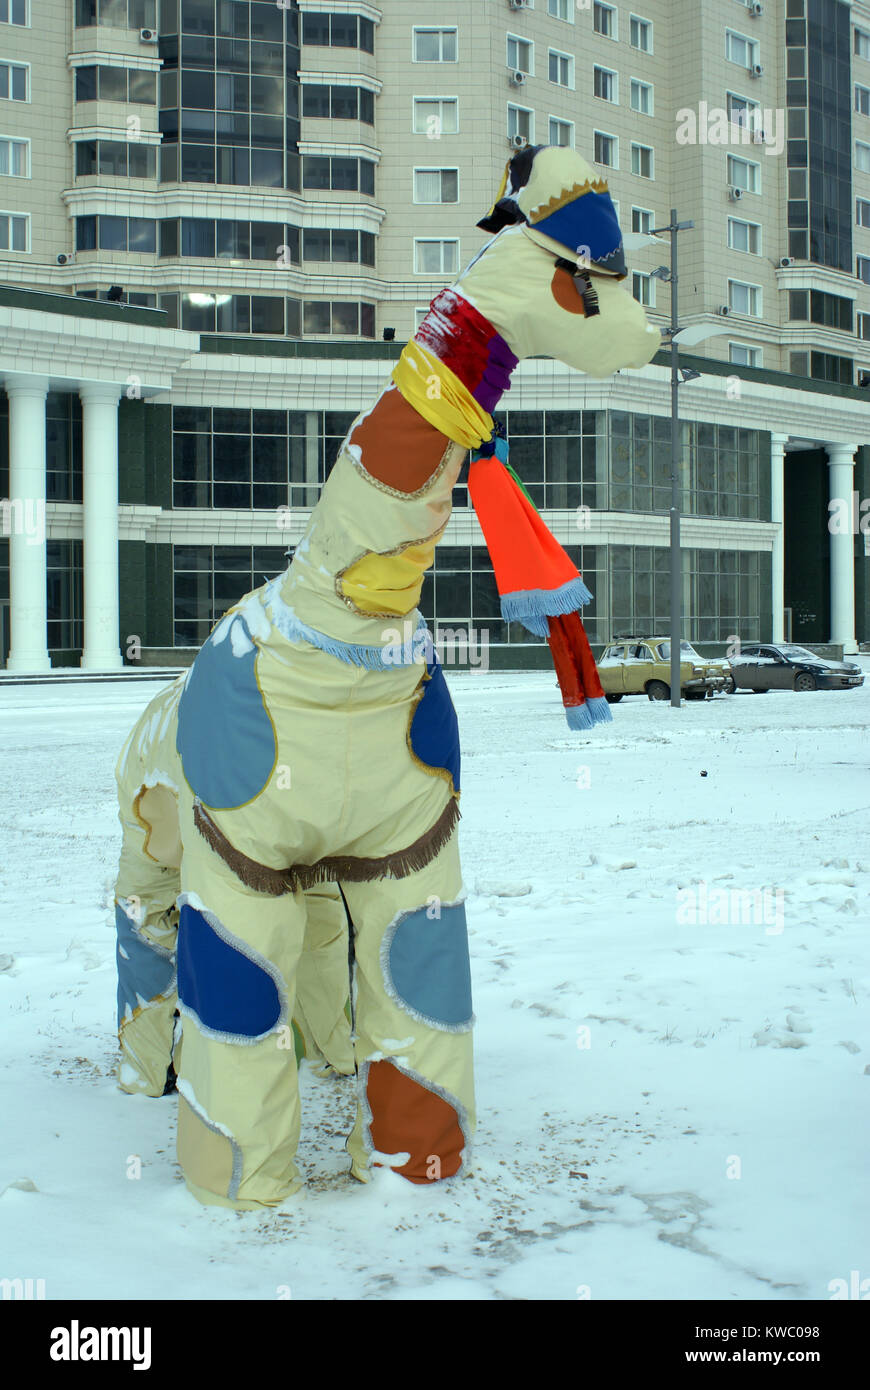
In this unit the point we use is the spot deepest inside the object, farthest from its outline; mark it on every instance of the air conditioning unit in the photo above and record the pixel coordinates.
(756, 70)
(518, 4)
(756, 9)
(735, 194)
(148, 36)
(518, 79)
(517, 142)
(724, 310)
(785, 261)
(64, 258)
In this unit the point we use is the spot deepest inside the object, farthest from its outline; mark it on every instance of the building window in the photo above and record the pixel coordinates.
(338, 31)
(797, 184)
(744, 173)
(604, 19)
(338, 173)
(604, 84)
(435, 46)
(862, 212)
(744, 299)
(116, 84)
(862, 99)
(137, 234)
(641, 97)
(744, 236)
(338, 103)
(562, 9)
(799, 363)
(253, 459)
(743, 355)
(63, 574)
(15, 12)
(274, 315)
(642, 161)
(14, 81)
(243, 241)
(864, 269)
(208, 580)
(561, 69)
(739, 49)
(561, 132)
(742, 111)
(818, 306)
(862, 156)
(643, 289)
(14, 157)
(864, 326)
(862, 43)
(828, 366)
(436, 116)
(606, 149)
(436, 257)
(521, 123)
(339, 246)
(14, 231)
(520, 55)
(119, 14)
(436, 185)
(641, 34)
(642, 220)
(116, 158)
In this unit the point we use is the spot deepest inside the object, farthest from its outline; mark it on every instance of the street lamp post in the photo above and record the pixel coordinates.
(676, 557)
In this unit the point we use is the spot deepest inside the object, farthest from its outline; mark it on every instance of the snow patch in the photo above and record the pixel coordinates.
(493, 888)
(241, 642)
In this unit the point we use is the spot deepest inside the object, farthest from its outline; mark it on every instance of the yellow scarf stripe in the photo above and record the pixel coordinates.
(440, 397)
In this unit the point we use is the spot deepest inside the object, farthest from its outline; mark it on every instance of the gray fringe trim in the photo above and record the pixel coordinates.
(335, 868)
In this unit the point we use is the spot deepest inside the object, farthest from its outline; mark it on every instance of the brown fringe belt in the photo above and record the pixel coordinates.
(349, 868)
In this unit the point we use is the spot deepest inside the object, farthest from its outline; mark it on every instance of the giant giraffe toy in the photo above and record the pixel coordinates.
(304, 774)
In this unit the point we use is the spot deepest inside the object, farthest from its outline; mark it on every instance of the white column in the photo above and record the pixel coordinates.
(24, 522)
(841, 475)
(100, 446)
(777, 516)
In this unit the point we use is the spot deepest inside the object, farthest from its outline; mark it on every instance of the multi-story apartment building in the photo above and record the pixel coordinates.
(273, 193)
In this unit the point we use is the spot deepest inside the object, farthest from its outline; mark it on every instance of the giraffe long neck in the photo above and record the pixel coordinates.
(397, 445)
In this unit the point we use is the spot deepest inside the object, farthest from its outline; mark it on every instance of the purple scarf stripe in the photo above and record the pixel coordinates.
(496, 377)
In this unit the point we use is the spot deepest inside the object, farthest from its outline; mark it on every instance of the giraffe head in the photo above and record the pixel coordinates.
(550, 280)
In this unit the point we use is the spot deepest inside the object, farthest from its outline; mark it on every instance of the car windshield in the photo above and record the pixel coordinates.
(800, 652)
(686, 649)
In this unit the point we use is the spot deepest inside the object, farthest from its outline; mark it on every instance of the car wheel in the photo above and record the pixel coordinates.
(804, 681)
(657, 690)
(730, 686)
(613, 699)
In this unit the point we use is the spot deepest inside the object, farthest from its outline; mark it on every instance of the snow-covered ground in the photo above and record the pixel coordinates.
(669, 1108)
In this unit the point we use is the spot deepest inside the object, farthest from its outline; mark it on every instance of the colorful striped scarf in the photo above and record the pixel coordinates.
(454, 373)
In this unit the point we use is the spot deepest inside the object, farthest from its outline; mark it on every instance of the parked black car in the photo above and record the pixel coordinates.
(763, 666)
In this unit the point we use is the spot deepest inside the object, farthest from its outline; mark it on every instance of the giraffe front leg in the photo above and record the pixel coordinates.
(238, 956)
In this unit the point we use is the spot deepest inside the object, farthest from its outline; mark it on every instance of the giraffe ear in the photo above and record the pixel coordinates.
(504, 213)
